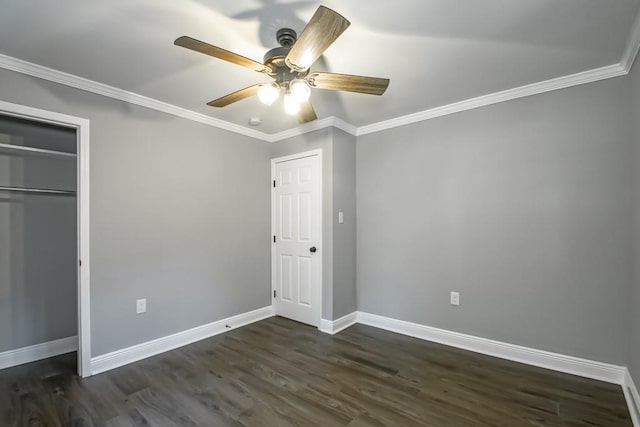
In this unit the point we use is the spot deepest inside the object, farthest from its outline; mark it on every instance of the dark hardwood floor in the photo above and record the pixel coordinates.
(281, 373)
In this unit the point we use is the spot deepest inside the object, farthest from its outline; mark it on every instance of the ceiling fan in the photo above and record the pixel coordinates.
(289, 65)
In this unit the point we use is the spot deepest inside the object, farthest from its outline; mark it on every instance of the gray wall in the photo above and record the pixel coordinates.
(344, 238)
(634, 362)
(178, 212)
(38, 301)
(321, 139)
(523, 207)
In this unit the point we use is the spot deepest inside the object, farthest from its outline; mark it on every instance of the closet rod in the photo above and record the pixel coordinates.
(35, 151)
(38, 190)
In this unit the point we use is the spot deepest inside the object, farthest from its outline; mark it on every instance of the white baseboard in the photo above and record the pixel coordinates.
(558, 362)
(334, 326)
(568, 364)
(141, 351)
(38, 352)
(632, 397)
(326, 326)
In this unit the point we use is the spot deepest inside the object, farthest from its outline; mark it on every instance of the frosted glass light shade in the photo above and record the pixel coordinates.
(300, 90)
(291, 105)
(267, 94)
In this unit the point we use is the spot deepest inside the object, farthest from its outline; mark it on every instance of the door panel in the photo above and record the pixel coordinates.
(286, 216)
(297, 219)
(286, 277)
(304, 224)
(304, 280)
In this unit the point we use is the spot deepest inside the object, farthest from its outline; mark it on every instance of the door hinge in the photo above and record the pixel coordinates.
(80, 263)
(274, 183)
(274, 294)
(274, 239)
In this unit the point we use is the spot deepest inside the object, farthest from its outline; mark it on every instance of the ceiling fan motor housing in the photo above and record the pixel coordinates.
(274, 58)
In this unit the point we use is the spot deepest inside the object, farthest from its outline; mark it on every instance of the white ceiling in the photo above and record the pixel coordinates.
(434, 51)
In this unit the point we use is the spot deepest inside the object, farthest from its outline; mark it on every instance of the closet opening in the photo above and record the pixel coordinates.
(43, 219)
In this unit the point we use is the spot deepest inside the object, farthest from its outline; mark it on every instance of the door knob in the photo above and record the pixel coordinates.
(313, 250)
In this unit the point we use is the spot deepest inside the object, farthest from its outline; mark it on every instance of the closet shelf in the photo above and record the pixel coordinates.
(12, 148)
(38, 190)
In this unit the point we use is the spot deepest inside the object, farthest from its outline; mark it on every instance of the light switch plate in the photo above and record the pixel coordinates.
(340, 217)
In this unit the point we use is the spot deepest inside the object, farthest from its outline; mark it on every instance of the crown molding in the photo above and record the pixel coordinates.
(616, 70)
(56, 76)
(633, 45)
(590, 76)
(344, 126)
(313, 126)
(302, 129)
(620, 69)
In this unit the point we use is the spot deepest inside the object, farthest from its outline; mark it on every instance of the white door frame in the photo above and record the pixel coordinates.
(82, 196)
(320, 244)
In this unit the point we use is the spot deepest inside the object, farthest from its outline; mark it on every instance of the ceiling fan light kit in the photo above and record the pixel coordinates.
(288, 64)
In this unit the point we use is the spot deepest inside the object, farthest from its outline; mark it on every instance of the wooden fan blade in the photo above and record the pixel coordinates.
(322, 30)
(307, 113)
(236, 96)
(218, 52)
(349, 83)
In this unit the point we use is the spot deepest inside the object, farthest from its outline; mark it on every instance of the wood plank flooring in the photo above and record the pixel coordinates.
(280, 373)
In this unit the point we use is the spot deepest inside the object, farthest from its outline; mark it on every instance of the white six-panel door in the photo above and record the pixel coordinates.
(297, 228)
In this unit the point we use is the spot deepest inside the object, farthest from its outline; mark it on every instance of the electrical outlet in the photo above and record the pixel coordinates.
(455, 298)
(141, 306)
(340, 217)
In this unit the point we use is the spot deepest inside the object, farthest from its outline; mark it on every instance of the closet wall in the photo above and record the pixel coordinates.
(38, 241)
(180, 215)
